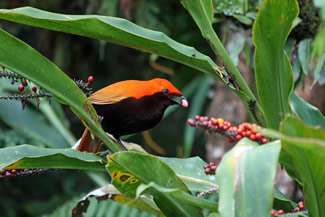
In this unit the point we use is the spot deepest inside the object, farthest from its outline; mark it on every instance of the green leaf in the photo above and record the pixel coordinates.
(190, 171)
(304, 54)
(319, 73)
(31, 123)
(201, 11)
(282, 202)
(307, 162)
(115, 30)
(130, 169)
(274, 79)
(181, 195)
(319, 44)
(27, 156)
(109, 192)
(307, 112)
(318, 53)
(238, 183)
(243, 19)
(304, 149)
(35, 67)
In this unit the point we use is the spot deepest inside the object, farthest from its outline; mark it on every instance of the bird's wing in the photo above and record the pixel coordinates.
(116, 92)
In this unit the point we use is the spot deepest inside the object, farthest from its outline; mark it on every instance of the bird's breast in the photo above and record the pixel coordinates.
(132, 115)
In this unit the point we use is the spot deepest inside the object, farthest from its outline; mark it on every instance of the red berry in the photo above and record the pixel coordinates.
(272, 212)
(21, 87)
(90, 79)
(211, 164)
(296, 209)
(197, 117)
(207, 170)
(280, 212)
(301, 205)
(13, 171)
(238, 137)
(3, 68)
(191, 122)
(205, 166)
(252, 137)
(214, 121)
(258, 135)
(204, 124)
(240, 130)
(243, 134)
(213, 168)
(264, 140)
(24, 83)
(248, 133)
(85, 151)
(34, 89)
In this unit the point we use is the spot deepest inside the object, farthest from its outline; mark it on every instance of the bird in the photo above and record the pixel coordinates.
(130, 106)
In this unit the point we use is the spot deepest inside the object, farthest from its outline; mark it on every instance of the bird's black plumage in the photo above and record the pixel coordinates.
(133, 115)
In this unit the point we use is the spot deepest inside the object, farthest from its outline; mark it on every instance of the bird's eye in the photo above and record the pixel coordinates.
(165, 91)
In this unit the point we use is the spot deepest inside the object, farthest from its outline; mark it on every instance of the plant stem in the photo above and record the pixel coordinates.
(244, 92)
(201, 12)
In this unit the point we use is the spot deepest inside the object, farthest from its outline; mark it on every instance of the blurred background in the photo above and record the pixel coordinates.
(55, 125)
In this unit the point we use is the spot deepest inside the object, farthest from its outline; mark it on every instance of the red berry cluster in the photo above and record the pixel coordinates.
(219, 125)
(7, 173)
(20, 172)
(210, 169)
(21, 88)
(300, 208)
(24, 84)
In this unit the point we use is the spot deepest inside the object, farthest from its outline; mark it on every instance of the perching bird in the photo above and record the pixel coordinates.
(129, 107)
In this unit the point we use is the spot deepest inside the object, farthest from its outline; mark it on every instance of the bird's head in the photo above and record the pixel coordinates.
(163, 86)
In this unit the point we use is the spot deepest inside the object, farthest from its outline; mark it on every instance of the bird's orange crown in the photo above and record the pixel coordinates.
(132, 88)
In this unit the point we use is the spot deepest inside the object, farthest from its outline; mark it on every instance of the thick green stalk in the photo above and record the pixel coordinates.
(202, 13)
(244, 92)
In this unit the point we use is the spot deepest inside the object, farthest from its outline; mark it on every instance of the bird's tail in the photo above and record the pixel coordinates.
(89, 144)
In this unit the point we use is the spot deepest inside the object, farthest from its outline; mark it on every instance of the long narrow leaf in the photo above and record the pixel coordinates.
(274, 79)
(116, 30)
(240, 190)
(27, 156)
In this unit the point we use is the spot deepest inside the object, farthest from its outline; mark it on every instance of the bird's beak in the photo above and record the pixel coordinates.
(183, 102)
